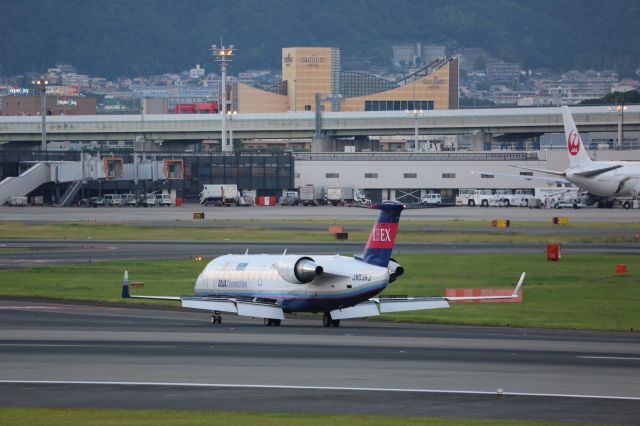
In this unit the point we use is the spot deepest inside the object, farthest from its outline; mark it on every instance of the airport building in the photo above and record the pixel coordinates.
(313, 76)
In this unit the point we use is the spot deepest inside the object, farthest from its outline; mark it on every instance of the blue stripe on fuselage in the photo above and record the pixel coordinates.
(292, 302)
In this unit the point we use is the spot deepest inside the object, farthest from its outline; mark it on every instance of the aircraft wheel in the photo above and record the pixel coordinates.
(335, 323)
(219, 317)
(326, 320)
(276, 322)
(213, 319)
(268, 322)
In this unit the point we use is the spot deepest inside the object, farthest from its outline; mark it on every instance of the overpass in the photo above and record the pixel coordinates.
(170, 127)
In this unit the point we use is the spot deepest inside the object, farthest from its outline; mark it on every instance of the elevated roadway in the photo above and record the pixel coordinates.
(173, 127)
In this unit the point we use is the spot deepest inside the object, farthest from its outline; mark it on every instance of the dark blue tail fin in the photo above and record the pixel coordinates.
(383, 234)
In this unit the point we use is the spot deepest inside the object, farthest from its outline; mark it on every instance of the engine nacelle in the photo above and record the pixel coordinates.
(395, 270)
(298, 270)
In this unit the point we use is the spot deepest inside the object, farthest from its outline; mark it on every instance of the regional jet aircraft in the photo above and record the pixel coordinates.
(268, 286)
(606, 179)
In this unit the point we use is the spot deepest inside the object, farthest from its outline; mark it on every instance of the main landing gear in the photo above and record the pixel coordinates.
(268, 322)
(216, 318)
(327, 321)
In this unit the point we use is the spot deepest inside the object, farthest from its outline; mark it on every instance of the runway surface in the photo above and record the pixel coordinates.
(79, 355)
(185, 213)
(40, 252)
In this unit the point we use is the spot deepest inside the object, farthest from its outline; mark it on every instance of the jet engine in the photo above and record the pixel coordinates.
(298, 270)
(395, 270)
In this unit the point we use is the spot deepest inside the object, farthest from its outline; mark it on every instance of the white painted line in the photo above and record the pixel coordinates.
(334, 388)
(80, 345)
(609, 357)
(28, 307)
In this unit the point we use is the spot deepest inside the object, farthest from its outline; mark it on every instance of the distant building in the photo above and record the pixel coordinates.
(307, 71)
(503, 72)
(196, 73)
(416, 55)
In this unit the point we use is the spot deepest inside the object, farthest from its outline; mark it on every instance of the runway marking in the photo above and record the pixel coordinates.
(28, 307)
(62, 345)
(333, 388)
(610, 357)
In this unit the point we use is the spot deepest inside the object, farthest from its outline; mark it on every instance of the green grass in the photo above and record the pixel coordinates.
(113, 417)
(581, 291)
(454, 232)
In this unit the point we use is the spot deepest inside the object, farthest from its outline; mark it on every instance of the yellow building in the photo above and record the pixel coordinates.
(308, 72)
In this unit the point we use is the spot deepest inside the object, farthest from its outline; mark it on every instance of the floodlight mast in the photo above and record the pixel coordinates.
(223, 56)
(41, 84)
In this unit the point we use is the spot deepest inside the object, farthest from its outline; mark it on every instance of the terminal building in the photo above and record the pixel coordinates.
(313, 76)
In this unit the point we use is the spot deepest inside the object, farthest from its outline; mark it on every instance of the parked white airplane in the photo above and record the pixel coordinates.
(268, 286)
(607, 179)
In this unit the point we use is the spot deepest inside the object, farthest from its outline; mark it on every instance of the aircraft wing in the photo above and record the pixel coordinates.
(550, 172)
(249, 307)
(381, 305)
(596, 172)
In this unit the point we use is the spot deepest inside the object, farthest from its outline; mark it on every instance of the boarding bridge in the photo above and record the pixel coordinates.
(88, 168)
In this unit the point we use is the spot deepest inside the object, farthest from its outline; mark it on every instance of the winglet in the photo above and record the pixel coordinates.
(519, 285)
(125, 285)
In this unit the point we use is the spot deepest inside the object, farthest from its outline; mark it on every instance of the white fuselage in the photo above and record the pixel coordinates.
(343, 282)
(609, 184)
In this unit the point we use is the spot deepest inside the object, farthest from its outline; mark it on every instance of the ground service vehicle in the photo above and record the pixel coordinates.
(163, 200)
(290, 198)
(431, 200)
(113, 200)
(219, 195)
(312, 195)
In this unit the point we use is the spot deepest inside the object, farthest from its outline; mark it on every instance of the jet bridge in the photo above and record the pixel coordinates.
(87, 169)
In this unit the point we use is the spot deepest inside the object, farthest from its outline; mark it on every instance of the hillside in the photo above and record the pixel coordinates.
(143, 37)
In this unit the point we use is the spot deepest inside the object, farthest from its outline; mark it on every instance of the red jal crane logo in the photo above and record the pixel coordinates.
(573, 142)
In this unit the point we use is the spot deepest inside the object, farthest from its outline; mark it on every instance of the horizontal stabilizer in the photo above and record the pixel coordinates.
(596, 172)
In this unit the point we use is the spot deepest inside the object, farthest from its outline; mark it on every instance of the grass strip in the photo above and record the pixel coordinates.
(235, 232)
(130, 417)
(582, 291)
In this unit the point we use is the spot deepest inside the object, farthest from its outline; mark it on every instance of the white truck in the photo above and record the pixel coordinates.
(518, 198)
(219, 195)
(313, 195)
(476, 197)
(342, 195)
(289, 198)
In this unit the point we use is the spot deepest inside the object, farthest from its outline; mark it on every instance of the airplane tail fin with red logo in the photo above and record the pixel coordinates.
(578, 157)
(383, 234)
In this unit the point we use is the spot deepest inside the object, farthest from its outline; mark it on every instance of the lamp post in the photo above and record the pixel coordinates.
(41, 84)
(620, 110)
(416, 113)
(223, 56)
(231, 115)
